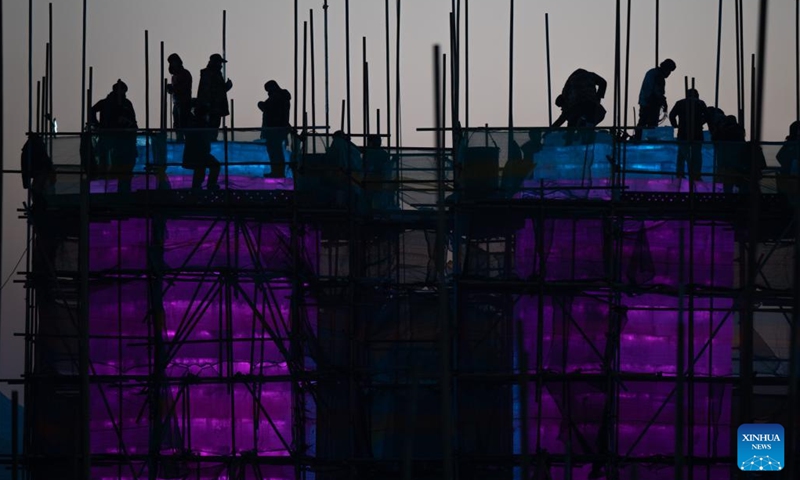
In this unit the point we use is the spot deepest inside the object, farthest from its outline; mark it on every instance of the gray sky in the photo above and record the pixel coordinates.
(260, 47)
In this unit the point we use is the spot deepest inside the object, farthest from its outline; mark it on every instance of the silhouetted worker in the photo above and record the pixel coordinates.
(275, 125)
(735, 157)
(789, 154)
(715, 117)
(212, 94)
(197, 151)
(38, 174)
(117, 132)
(652, 96)
(520, 163)
(688, 116)
(379, 175)
(580, 102)
(181, 91)
(345, 164)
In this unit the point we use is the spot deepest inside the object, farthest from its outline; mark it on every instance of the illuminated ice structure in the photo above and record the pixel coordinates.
(222, 291)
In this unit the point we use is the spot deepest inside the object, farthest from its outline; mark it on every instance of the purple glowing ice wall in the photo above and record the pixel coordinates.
(657, 258)
(221, 292)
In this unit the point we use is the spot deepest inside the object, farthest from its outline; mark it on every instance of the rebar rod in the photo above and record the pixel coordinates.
(510, 65)
(719, 54)
(658, 27)
(388, 80)
(549, 82)
(347, 61)
(444, 322)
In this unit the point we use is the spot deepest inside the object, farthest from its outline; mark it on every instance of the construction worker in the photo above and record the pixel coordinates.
(181, 91)
(117, 134)
(652, 96)
(212, 94)
(688, 116)
(580, 102)
(275, 126)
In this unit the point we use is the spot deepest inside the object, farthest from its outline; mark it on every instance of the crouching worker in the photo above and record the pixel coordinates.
(197, 151)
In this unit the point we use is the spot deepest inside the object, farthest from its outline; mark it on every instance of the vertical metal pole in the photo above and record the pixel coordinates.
(344, 112)
(453, 74)
(305, 69)
(41, 105)
(2, 181)
(347, 58)
(233, 120)
(83, 68)
(83, 319)
(456, 107)
(147, 80)
(755, 170)
(549, 82)
(440, 260)
(466, 63)
(719, 53)
(680, 380)
(397, 124)
(796, 58)
(627, 64)
(225, 74)
(511, 66)
(38, 105)
(327, 78)
(50, 77)
(522, 360)
(14, 416)
(163, 92)
(738, 65)
(46, 89)
(388, 81)
(658, 26)
(296, 46)
(742, 90)
(364, 89)
(30, 65)
(313, 76)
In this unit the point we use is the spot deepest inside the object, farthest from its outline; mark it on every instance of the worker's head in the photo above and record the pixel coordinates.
(216, 60)
(794, 129)
(692, 93)
(120, 88)
(374, 141)
(668, 66)
(272, 87)
(174, 59)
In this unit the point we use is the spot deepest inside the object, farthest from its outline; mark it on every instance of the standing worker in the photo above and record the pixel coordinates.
(181, 91)
(688, 116)
(275, 124)
(117, 131)
(212, 94)
(653, 97)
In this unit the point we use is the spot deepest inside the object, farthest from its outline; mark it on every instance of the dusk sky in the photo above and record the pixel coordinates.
(260, 47)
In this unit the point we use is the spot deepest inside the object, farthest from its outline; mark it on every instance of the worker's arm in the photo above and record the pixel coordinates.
(601, 85)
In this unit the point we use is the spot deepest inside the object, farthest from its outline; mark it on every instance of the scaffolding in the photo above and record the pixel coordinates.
(280, 329)
(444, 316)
